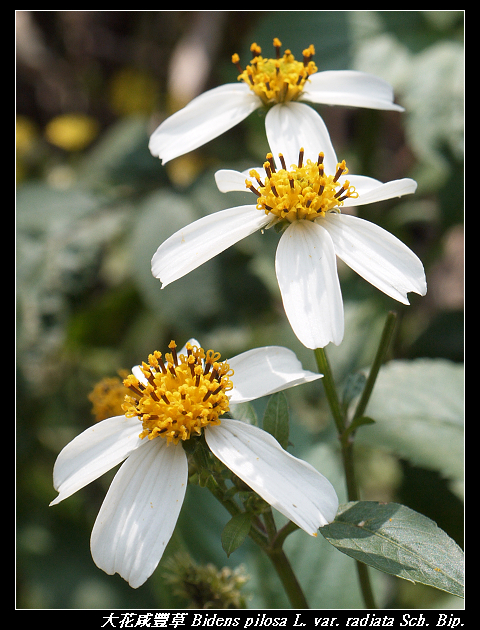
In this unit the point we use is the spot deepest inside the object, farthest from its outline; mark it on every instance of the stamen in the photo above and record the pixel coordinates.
(309, 203)
(154, 396)
(300, 157)
(302, 193)
(308, 54)
(174, 403)
(251, 187)
(198, 373)
(277, 80)
(214, 374)
(342, 190)
(156, 362)
(172, 345)
(236, 61)
(133, 388)
(277, 44)
(271, 162)
(340, 170)
(147, 372)
(256, 50)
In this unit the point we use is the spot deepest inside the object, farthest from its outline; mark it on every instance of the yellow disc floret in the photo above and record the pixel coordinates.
(108, 396)
(303, 191)
(276, 80)
(180, 395)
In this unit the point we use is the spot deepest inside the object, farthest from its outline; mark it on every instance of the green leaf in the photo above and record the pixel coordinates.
(244, 412)
(275, 420)
(235, 532)
(418, 411)
(354, 385)
(397, 540)
(159, 216)
(357, 422)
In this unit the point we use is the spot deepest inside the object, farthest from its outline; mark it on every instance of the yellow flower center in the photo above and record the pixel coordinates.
(108, 396)
(303, 192)
(181, 395)
(276, 80)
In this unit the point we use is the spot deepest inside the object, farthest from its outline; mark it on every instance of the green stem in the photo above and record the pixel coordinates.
(330, 389)
(349, 467)
(346, 440)
(287, 576)
(347, 456)
(377, 363)
(365, 585)
(271, 543)
(281, 563)
(285, 531)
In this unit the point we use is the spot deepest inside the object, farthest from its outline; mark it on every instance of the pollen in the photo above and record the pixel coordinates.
(180, 394)
(301, 192)
(277, 80)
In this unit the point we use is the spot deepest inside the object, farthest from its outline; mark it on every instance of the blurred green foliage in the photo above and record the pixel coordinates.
(92, 211)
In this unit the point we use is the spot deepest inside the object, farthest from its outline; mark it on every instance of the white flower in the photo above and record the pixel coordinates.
(306, 200)
(176, 399)
(270, 83)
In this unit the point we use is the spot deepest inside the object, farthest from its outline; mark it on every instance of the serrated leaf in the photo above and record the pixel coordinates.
(276, 420)
(397, 540)
(235, 532)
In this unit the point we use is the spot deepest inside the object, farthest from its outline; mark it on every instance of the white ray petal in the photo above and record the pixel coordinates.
(140, 510)
(228, 180)
(93, 453)
(201, 240)
(204, 118)
(264, 371)
(291, 126)
(288, 484)
(376, 255)
(371, 190)
(351, 88)
(307, 276)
